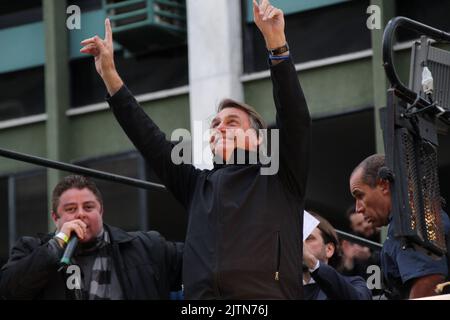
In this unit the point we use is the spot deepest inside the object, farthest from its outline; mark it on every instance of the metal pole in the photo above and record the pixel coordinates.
(359, 240)
(81, 170)
(57, 89)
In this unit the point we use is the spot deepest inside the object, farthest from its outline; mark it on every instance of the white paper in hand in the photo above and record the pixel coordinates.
(309, 224)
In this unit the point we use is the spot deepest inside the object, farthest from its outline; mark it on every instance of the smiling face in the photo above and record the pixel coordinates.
(231, 129)
(80, 204)
(373, 202)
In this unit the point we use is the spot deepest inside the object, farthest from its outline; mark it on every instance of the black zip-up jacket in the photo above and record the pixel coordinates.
(244, 236)
(147, 267)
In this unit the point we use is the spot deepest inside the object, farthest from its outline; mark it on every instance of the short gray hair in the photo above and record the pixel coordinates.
(370, 167)
(256, 121)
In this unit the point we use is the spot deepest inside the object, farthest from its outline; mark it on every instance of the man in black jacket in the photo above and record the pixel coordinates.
(321, 257)
(108, 263)
(245, 228)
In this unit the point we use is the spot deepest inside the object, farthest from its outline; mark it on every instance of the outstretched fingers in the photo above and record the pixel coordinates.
(268, 11)
(275, 13)
(90, 49)
(264, 10)
(95, 41)
(263, 6)
(256, 14)
(87, 41)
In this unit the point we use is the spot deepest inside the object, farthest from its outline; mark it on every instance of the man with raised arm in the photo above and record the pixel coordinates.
(245, 228)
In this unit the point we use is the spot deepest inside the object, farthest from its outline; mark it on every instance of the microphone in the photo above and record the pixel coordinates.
(68, 253)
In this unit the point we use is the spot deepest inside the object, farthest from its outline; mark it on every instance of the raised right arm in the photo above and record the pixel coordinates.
(140, 129)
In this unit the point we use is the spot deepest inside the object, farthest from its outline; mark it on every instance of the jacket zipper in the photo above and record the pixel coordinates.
(216, 284)
(277, 272)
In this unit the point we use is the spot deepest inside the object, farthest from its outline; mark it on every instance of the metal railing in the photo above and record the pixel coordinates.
(358, 240)
(81, 170)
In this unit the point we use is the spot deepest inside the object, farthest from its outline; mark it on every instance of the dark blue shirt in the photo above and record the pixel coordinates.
(331, 285)
(401, 265)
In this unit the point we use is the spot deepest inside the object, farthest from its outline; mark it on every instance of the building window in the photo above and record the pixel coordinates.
(31, 203)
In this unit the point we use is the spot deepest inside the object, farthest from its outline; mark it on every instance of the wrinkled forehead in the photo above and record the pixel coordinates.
(229, 113)
(356, 178)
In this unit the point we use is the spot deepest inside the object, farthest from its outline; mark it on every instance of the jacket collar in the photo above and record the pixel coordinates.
(118, 235)
(45, 237)
(239, 157)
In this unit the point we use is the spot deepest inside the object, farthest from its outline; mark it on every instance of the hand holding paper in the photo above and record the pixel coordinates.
(309, 224)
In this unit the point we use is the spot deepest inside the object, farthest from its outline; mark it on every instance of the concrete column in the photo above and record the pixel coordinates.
(380, 81)
(215, 64)
(56, 88)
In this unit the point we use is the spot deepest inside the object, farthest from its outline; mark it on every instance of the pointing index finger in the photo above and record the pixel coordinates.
(108, 31)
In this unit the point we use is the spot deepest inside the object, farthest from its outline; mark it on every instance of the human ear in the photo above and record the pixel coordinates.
(329, 250)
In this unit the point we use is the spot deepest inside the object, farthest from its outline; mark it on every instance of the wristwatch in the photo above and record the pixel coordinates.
(279, 50)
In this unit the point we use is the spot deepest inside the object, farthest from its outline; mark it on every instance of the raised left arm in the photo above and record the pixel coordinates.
(293, 119)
